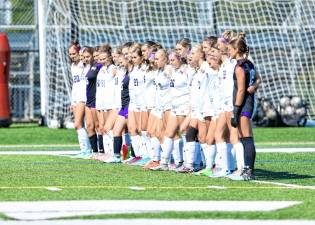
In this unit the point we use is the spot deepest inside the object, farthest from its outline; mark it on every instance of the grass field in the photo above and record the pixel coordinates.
(22, 134)
(26, 177)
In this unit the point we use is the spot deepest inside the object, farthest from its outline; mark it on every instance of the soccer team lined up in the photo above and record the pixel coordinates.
(187, 109)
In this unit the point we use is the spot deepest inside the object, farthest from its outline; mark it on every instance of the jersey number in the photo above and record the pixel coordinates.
(172, 81)
(135, 82)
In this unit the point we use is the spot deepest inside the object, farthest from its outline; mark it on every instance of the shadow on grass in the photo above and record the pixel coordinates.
(279, 175)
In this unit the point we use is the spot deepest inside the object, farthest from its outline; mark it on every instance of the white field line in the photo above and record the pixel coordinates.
(39, 152)
(285, 150)
(161, 221)
(38, 146)
(40, 210)
(294, 186)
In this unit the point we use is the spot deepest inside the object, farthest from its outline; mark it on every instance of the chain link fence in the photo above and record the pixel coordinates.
(18, 19)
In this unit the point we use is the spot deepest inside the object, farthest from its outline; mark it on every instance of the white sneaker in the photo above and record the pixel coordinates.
(114, 159)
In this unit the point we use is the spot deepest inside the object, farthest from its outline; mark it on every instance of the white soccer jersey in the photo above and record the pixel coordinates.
(226, 84)
(136, 85)
(198, 89)
(118, 86)
(149, 90)
(162, 98)
(179, 90)
(78, 92)
(105, 88)
(212, 94)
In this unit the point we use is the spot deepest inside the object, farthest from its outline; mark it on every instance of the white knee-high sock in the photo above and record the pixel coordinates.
(190, 154)
(178, 151)
(156, 149)
(183, 137)
(202, 154)
(106, 143)
(146, 145)
(222, 150)
(167, 149)
(84, 141)
(239, 151)
(210, 153)
(135, 142)
(111, 141)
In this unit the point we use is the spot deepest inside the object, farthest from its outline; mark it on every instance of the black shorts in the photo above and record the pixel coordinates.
(247, 107)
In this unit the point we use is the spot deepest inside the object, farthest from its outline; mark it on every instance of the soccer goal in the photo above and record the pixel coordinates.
(281, 35)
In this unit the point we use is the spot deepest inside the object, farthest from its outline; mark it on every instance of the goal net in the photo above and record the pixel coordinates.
(281, 36)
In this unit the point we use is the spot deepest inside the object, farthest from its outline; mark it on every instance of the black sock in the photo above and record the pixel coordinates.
(117, 145)
(132, 153)
(100, 143)
(93, 141)
(249, 151)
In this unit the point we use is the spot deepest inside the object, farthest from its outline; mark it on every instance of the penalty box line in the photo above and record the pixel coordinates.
(276, 185)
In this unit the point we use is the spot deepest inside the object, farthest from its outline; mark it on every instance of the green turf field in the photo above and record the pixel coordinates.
(25, 177)
(22, 134)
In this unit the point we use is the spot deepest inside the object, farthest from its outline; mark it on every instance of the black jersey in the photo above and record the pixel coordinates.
(125, 99)
(91, 84)
(250, 72)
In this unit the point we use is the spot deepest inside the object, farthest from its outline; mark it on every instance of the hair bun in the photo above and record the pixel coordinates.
(242, 35)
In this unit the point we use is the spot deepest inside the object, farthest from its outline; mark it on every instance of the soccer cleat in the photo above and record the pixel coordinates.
(78, 156)
(219, 173)
(242, 175)
(127, 160)
(141, 162)
(87, 155)
(161, 167)
(114, 159)
(151, 164)
(95, 156)
(134, 160)
(249, 175)
(174, 166)
(205, 172)
(103, 157)
(185, 169)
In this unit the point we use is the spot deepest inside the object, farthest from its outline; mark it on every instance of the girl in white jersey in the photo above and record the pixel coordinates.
(104, 97)
(226, 109)
(209, 109)
(158, 60)
(148, 95)
(179, 92)
(136, 98)
(111, 107)
(78, 97)
(197, 126)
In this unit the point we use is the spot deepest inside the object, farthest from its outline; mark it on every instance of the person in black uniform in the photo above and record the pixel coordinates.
(90, 110)
(243, 101)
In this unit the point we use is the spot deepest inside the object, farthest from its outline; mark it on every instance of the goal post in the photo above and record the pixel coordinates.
(281, 36)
